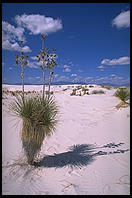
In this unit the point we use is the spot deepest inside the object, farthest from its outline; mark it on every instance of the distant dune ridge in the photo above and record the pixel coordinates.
(89, 153)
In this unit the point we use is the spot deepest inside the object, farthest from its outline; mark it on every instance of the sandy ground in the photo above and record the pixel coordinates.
(87, 155)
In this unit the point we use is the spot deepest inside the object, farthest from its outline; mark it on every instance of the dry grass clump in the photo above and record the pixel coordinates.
(39, 120)
(98, 92)
(106, 87)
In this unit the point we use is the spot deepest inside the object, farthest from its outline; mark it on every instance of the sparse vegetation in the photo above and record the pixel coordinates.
(91, 86)
(65, 89)
(123, 94)
(79, 87)
(73, 92)
(85, 90)
(80, 93)
(106, 87)
(98, 92)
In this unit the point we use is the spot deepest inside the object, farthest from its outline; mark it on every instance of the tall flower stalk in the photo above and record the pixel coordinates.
(47, 61)
(22, 61)
(42, 57)
(51, 63)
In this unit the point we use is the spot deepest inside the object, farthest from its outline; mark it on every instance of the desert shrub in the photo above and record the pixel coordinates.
(65, 89)
(79, 87)
(39, 120)
(98, 92)
(13, 93)
(123, 94)
(91, 86)
(73, 92)
(6, 92)
(85, 90)
(106, 87)
(80, 93)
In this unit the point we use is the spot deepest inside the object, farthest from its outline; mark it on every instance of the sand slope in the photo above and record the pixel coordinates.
(87, 155)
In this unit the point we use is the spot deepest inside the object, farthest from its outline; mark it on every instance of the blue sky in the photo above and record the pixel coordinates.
(92, 41)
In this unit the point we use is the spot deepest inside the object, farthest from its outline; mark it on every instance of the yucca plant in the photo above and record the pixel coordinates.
(39, 119)
(123, 94)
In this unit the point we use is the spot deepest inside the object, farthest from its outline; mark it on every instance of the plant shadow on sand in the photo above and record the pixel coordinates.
(77, 156)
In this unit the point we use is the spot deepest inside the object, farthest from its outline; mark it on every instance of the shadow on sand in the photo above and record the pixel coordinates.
(77, 156)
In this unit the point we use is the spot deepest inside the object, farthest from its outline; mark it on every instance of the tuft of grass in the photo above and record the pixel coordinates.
(73, 92)
(123, 94)
(39, 118)
(98, 92)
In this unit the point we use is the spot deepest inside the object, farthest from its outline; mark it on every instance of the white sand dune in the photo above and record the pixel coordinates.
(87, 155)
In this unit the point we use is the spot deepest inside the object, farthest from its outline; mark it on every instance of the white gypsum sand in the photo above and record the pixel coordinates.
(87, 155)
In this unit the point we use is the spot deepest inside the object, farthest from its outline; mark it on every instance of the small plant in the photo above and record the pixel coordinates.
(123, 94)
(73, 92)
(65, 89)
(98, 92)
(106, 87)
(39, 120)
(13, 93)
(91, 86)
(85, 90)
(79, 87)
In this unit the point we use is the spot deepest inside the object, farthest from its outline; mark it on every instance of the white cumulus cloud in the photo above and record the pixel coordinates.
(122, 20)
(120, 61)
(38, 24)
(10, 37)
